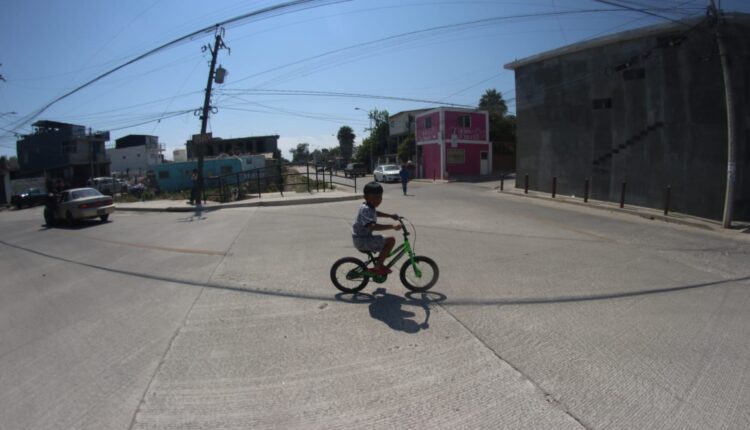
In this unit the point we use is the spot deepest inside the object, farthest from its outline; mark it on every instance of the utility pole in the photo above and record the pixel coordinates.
(199, 146)
(718, 22)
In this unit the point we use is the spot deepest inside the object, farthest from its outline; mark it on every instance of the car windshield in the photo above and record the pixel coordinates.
(89, 192)
(390, 167)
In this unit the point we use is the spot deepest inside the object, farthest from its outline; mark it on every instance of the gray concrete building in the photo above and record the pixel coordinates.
(62, 151)
(645, 107)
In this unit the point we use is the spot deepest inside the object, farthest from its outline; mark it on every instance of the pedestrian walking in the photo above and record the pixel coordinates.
(194, 197)
(404, 174)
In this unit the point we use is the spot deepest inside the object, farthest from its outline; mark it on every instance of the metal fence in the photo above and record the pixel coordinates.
(276, 178)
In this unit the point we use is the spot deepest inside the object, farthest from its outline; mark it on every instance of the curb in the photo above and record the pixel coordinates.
(309, 201)
(701, 223)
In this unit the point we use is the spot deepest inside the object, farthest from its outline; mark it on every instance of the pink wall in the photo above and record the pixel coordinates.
(424, 134)
(471, 155)
(477, 131)
(430, 160)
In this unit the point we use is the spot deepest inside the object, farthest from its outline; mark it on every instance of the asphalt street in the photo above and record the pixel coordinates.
(545, 316)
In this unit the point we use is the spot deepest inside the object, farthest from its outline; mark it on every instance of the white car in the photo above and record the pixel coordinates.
(76, 204)
(387, 173)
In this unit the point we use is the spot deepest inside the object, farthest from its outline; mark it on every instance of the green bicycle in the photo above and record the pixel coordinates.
(418, 273)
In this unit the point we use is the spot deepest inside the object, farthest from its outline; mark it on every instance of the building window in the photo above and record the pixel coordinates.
(69, 148)
(456, 156)
(601, 104)
(464, 121)
(634, 74)
(428, 122)
(163, 174)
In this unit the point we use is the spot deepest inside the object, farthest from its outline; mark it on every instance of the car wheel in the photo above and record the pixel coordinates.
(104, 217)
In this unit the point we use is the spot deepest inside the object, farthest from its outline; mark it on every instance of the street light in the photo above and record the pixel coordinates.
(369, 115)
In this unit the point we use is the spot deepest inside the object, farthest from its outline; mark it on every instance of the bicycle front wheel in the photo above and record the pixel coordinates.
(348, 275)
(420, 276)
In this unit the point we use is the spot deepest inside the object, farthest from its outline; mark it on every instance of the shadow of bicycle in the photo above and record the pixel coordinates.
(395, 310)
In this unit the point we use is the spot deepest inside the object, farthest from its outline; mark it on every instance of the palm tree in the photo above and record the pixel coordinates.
(492, 101)
(346, 142)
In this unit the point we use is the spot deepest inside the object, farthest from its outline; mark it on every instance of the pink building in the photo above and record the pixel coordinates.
(453, 142)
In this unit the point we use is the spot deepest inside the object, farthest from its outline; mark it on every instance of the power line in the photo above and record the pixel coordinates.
(342, 95)
(296, 4)
(644, 11)
(399, 39)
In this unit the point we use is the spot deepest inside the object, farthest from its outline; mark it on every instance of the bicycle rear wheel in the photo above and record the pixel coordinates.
(425, 279)
(348, 275)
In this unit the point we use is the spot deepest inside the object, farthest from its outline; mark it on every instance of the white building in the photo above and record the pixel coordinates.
(135, 155)
(179, 155)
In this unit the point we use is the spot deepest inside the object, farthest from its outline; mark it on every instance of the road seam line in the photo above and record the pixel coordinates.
(549, 397)
(162, 360)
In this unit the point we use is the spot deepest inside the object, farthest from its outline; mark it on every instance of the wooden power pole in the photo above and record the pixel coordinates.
(203, 140)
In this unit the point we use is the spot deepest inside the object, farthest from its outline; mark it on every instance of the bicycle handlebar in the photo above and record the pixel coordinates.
(403, 226)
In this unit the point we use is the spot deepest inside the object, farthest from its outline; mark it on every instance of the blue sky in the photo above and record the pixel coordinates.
(360, 47)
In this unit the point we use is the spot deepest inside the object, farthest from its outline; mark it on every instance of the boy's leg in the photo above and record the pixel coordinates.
(386, 251)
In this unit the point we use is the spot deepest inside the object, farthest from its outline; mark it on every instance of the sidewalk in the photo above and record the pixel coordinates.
(643, 212)
(274, 199)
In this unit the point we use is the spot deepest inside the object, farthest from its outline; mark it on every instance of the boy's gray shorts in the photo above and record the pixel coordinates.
(374, 243)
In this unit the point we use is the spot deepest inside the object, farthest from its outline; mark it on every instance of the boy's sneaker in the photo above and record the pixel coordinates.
(382, 270)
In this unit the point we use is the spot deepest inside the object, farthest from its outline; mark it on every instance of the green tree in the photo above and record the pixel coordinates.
(335, 152)
(379, 132)
(407, 148)
(301, 153)
(493, 102)
(502, 125)
(346, 138)
(363, 151)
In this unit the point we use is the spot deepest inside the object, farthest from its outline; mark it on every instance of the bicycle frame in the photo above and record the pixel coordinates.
(397, 253)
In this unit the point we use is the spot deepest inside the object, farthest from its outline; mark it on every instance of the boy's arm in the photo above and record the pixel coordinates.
(383, 214)
(379, 227)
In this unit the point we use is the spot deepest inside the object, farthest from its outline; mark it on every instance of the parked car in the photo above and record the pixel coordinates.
(105, 184)
(355, 169)
(386, 173)
(77, 204)
(30, 197)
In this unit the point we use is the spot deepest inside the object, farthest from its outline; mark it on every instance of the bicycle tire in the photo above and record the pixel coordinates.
(430, 274)
(341, 275)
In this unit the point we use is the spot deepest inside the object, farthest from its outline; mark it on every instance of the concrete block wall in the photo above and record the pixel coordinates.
(644, 111)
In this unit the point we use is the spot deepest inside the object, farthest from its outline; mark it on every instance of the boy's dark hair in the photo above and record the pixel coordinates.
(373, 188)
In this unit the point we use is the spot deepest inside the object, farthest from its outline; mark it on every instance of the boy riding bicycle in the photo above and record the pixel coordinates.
(366, 223)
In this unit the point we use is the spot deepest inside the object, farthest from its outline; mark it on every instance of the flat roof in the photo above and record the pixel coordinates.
(53, 124)
(619, 37)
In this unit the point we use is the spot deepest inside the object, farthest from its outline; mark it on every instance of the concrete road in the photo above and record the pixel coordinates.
(544, 317)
